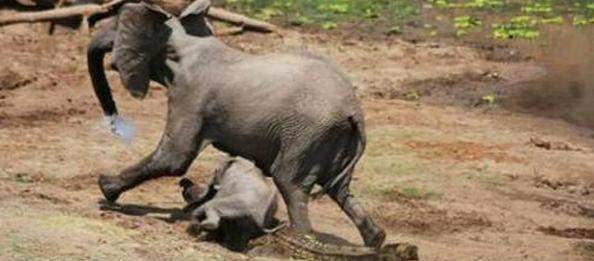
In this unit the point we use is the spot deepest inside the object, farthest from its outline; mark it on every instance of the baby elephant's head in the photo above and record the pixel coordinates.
(229, 167)
(222, 170)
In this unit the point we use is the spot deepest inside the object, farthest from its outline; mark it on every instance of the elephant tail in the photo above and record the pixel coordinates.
(358, 141)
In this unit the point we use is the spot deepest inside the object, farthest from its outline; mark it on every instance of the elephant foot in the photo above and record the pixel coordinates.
(374, 237)
(109, 187)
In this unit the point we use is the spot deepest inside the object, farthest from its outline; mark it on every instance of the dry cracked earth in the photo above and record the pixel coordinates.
(474, 152)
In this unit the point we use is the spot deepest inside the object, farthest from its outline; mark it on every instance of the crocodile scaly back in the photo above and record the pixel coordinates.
(299, 246)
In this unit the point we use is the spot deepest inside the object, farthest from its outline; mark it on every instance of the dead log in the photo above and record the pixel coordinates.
(58, 13)
(91, 9)
(240, 20)
(229, 31)
(26, 2)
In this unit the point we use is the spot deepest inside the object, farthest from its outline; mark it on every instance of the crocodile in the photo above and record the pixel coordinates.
(286, 242)
(281, 238)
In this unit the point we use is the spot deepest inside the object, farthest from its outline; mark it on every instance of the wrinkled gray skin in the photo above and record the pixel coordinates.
(238, 200)
(294, 114)
(152, 62)
(240, 191)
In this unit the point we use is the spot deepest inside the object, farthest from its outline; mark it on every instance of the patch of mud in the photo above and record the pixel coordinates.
(31, 193)
(560, 206)
(562, 185)
(419, 218)
(582, 233)
(466, 88)
(498, 52)
(568, 208)
(462, 151)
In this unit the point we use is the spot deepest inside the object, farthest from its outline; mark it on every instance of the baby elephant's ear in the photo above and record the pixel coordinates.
(193, 18)
(141, 36)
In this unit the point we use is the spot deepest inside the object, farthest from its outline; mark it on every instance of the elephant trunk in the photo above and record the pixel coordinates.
(99, 46)
(102, 43)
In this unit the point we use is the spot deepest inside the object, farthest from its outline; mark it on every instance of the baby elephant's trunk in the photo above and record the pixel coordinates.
(190, 191)
(194, 194)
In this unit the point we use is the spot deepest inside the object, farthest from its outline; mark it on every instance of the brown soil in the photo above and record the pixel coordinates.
(462, 151)
(443, 170)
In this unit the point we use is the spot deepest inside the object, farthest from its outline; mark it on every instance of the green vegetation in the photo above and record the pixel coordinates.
(501, 19)
(388, 166)
(517, 27)
(463, 23)
(328, 14)
(515, 19)
(489, 98)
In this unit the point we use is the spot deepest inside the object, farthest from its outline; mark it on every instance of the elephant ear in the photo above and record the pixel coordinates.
(193, 18)
(141, 36)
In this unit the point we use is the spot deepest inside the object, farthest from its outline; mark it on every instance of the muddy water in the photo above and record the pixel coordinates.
(566, 89)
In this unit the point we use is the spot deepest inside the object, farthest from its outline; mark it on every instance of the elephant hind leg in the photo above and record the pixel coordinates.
(297, 200)
(299, 168)
(372, 234)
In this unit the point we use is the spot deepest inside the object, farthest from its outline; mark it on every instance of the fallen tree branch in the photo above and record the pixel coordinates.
(26, 2)
(240, 20)
(91, 9)
(229, 31)
(58, 13)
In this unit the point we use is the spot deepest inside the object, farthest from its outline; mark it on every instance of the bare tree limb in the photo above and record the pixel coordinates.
(229, 31)
(240, 20)
(26, 2)
(58, 13)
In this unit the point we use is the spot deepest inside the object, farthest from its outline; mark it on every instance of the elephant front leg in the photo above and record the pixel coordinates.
(176, 151)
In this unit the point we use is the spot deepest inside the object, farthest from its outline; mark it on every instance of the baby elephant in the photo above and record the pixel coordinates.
(238, 204)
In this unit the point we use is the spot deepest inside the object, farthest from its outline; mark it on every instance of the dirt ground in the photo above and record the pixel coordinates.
(461, 176)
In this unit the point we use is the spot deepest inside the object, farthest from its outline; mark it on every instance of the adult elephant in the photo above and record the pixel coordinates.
(294, 114)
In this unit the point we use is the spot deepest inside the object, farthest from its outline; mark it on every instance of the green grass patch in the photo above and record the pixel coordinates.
(33, 234)
(517, 27)
(327, 14)
(499, 19)
(418, 193)
(390, 170)
(464, 23)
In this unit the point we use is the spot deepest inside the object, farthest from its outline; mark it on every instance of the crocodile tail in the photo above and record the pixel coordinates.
(307, 247)
(358, 137)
